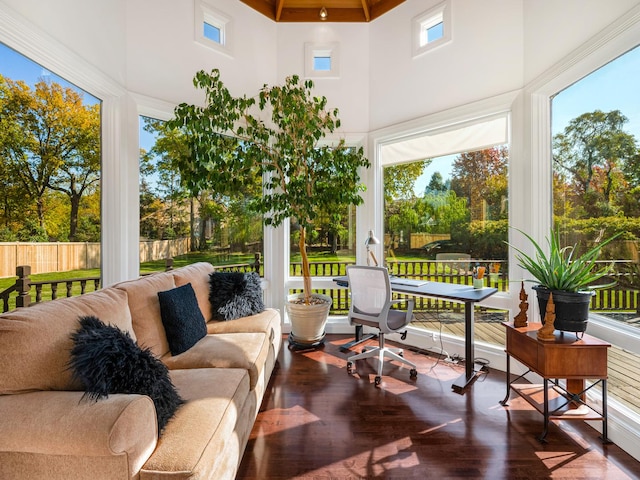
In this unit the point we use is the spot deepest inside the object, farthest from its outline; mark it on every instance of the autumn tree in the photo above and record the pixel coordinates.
(50, 141)
(79, 173)
(399, 180)
(171, 155)
(481, 178)
(590, 155)
(400, 200)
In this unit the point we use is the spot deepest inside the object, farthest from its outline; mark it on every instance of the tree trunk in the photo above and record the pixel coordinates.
(192, 225)
(306, 273)
(333, 238)
(40, 210)
(203, 234)
(74, 199)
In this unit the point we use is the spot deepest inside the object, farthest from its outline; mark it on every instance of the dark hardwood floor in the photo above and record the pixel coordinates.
(319, 422)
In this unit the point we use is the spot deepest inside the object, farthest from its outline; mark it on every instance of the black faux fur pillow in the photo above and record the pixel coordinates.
(182, 318)
(235, 294)
(107, 360)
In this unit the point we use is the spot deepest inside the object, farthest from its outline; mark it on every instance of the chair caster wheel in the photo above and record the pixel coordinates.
(413, 373)
(349, 368)
(378, 380)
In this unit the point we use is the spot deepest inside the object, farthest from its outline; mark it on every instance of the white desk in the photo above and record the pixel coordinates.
(457, 293)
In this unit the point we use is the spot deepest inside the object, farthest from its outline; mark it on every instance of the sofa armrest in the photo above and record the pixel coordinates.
(63, 424)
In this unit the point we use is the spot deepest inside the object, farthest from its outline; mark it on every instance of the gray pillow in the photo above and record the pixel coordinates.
(235, 294)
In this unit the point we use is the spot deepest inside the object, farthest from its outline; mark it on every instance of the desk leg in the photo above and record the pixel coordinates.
(505, 402)
(605, 421)
(542, 437)
(359, 338)
(469, 351)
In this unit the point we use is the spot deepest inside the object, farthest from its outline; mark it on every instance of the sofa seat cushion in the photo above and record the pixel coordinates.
(248, 351)
(201, 441)
(75, 437)
(145, 309)
(35, 342)
(267, 322)
(197, 274)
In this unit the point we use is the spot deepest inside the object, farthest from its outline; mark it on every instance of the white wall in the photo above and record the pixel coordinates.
(553, 29)
(163, 56)
(349, 92)
(483, 59)
(92, 29)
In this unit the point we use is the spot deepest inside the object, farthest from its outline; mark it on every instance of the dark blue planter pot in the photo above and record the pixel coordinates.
(572, 309)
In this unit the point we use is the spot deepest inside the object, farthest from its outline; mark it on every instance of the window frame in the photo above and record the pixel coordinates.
(119, 258)
(428, 19)
(206, 14)
(322, 50)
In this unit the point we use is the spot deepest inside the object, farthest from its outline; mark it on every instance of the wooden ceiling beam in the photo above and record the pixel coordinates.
(261, 6)
(383, 6)
(365, 9)
(313, 15)
(279, 5)
(338, 10)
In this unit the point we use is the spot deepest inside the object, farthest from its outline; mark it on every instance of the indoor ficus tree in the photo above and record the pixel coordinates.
(278, 136)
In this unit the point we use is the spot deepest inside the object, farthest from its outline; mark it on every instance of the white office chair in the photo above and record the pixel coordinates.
(371, 304)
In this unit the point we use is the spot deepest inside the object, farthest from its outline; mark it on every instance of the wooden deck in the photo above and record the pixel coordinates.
(624, 367)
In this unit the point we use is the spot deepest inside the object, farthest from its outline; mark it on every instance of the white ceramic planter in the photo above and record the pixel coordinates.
(308, 321)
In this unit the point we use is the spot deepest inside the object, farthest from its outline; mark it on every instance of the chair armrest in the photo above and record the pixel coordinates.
(60, 423)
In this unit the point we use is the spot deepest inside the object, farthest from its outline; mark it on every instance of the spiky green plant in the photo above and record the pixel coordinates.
(560, 270)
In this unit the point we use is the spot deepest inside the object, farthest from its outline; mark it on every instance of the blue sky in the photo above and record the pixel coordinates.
(17, 67)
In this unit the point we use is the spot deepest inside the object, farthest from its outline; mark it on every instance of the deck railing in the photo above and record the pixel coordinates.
(25, 291)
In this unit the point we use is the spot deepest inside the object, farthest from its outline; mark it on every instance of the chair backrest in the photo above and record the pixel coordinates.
(370, 289)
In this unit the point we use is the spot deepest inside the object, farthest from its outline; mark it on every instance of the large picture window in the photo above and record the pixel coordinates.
(596, 187)
(446, 213)
(596, 176)
(50, 151)
(190, 228)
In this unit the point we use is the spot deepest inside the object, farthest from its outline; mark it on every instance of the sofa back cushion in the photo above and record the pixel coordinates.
(197, 274)
(145, 310)
(35, 342)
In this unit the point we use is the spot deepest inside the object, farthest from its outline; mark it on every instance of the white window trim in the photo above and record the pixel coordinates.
(205, 13)
(441, 11)
(313, 50)
(119, 212)
(476, 112)
(612, 42)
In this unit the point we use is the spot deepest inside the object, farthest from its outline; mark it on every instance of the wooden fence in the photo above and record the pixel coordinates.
(616, 299)
(45, 257)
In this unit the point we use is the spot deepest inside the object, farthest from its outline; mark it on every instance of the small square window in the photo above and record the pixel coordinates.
(322, 64)
(321, 61)
(212, 32)
(434, 33)
(212, 28)
(432, 28)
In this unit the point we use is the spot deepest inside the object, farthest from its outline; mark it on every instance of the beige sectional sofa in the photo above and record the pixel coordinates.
(49, 431)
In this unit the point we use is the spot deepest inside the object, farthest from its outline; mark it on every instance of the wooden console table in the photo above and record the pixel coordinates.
(567, 357)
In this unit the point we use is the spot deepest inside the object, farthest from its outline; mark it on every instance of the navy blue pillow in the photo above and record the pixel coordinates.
(235, 294)
(182, 319)
(107, 360)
